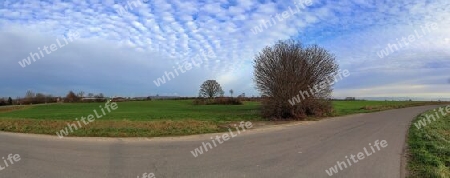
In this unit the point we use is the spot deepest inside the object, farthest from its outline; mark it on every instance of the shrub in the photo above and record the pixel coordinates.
(287, 68)
(218, 101)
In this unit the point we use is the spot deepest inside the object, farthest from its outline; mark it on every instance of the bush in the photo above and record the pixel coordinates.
(288, 68)
(318, 108)
(218, 101)
(312, 107)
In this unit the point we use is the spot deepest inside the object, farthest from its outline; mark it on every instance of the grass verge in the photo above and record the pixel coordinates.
(104, 128)
(429, 148)
(352, 107)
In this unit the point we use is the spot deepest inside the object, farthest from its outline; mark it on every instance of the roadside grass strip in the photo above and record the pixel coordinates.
(429, 147)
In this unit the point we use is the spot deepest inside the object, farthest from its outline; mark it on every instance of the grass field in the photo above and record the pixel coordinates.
(429, 149)
(143, 111)
(351, 107)
(154, 118)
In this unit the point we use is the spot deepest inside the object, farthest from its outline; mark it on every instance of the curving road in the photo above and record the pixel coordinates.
(296, 150)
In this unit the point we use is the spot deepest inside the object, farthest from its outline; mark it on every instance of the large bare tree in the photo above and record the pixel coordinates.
(288, 69)
(210, 89)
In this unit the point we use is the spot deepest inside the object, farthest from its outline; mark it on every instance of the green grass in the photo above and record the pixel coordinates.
(429, 149)
(352, 107)
(130, 119)
(143, 111)
(154, 118)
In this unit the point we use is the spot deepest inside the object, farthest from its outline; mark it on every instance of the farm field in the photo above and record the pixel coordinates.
(352, 107)
(155, 118)
(142, 111)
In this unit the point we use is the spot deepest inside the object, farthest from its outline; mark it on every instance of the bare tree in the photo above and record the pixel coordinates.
(100, 95)
(287, 69)
(39, 98)
(29, 97)
(210, 89)
(90, 95)
(80, 94)
(30, 94)
(50, 99)
(71, 97)
(231, 92)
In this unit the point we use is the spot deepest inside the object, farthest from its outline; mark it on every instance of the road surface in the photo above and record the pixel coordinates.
(296, 150)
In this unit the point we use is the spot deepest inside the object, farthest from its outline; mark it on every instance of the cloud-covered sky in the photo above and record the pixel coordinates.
(125, 46)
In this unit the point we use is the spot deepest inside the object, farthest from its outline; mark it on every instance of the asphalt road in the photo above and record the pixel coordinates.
(296, 150)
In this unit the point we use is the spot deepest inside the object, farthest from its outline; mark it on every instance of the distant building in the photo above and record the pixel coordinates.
(93, 99)
(350, 98)
(141, 98)
(118, 99)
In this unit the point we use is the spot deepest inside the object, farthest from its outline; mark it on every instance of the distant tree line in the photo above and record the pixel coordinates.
(78, 97)
(41, 98)
(71, 97)
(4, 101)
(36, 98)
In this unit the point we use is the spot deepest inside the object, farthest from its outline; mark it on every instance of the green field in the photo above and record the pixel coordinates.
(155, 118)
(351, 107)
(429, 149)
(143, 111)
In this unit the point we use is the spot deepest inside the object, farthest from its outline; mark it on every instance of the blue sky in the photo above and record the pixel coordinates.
(122, 52)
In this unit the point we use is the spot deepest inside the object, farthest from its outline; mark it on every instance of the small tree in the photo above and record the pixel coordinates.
(29, 94)
(71, 97)
(210, 89)
(287, 69)
(80, 94)
(39, 98)
(100, 95)
(29, 97)
(10, 102)
(231, 92)
(49, 99)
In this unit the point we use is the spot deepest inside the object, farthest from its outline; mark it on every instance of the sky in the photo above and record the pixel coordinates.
(396, 48)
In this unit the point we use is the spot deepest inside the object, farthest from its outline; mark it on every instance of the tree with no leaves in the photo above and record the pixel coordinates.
(80, 94)
(231, 92)
(287, 68)
(210, 89)
(39, 98)
(29, 97)
(71, 97)
(100, 95)
(30, 94)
